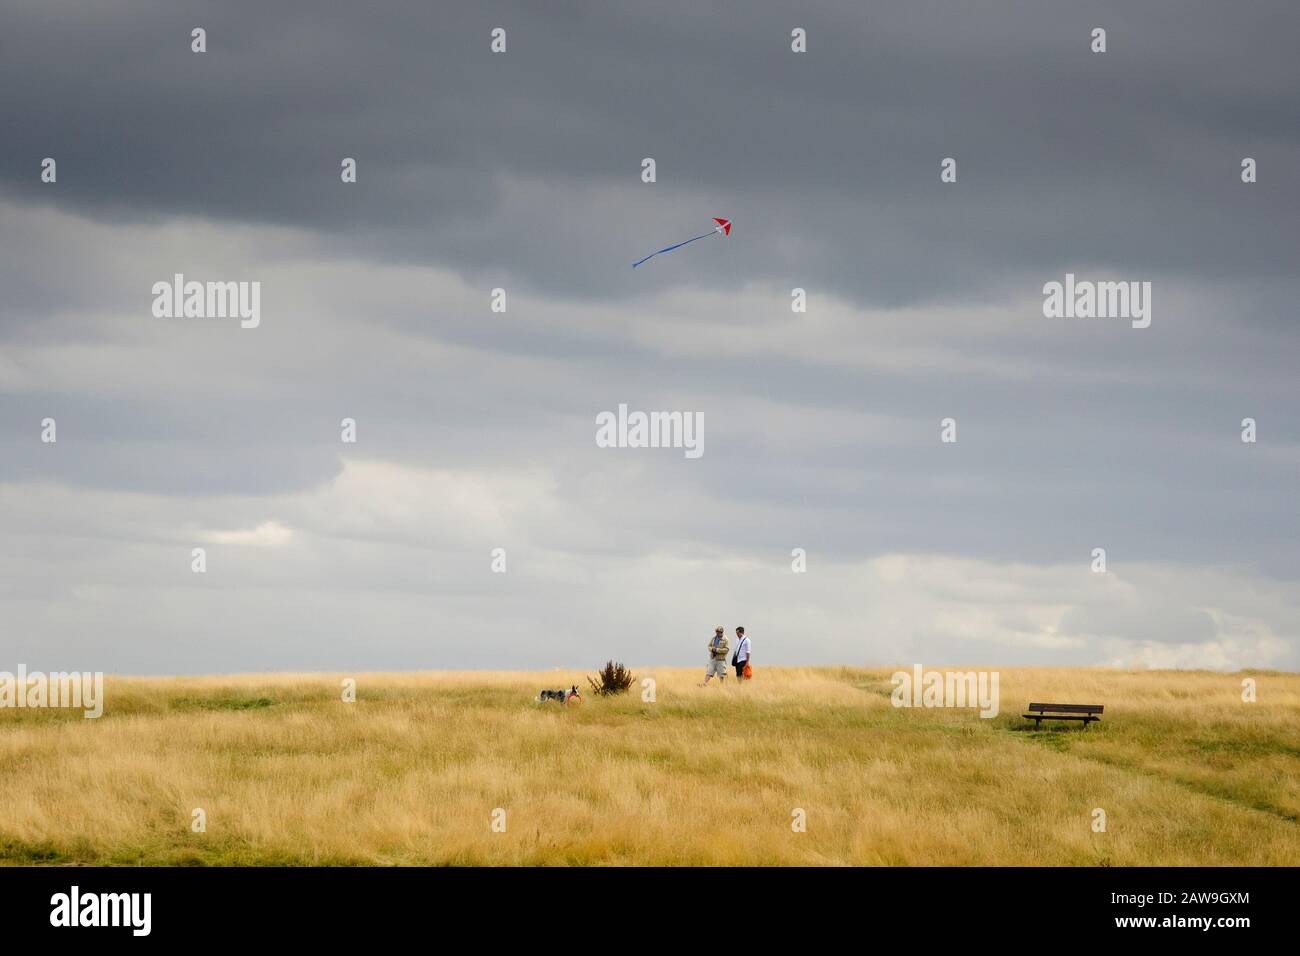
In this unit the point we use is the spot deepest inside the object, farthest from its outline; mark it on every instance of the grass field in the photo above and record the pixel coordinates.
(411, 773)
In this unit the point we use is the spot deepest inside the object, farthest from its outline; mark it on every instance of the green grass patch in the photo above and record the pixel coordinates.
(222, 703)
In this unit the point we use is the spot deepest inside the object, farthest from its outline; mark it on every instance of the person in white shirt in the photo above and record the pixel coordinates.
(741, 657)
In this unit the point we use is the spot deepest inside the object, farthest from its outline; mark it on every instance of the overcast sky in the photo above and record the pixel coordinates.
(476, 429)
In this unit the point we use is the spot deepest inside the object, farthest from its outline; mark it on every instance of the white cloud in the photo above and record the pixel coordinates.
(268, 534)
(389, 565)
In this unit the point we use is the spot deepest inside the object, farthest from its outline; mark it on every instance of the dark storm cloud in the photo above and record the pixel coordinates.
(526, 165)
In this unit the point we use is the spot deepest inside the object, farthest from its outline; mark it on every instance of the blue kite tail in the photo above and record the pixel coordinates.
(671, 248)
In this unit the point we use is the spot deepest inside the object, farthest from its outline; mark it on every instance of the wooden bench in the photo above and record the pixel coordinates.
(1084, 712)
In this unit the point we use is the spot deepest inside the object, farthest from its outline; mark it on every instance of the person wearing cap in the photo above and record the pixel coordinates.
(717, 657)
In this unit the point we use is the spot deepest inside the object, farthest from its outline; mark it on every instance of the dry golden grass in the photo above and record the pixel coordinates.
(410, 774)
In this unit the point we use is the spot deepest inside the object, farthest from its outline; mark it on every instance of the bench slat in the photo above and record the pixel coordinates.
(1068, 708)
(1041, 716)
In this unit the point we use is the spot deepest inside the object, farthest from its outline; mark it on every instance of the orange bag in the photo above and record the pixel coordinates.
(749, 671)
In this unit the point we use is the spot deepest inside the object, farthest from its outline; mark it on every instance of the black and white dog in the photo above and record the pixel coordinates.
(562, 696)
